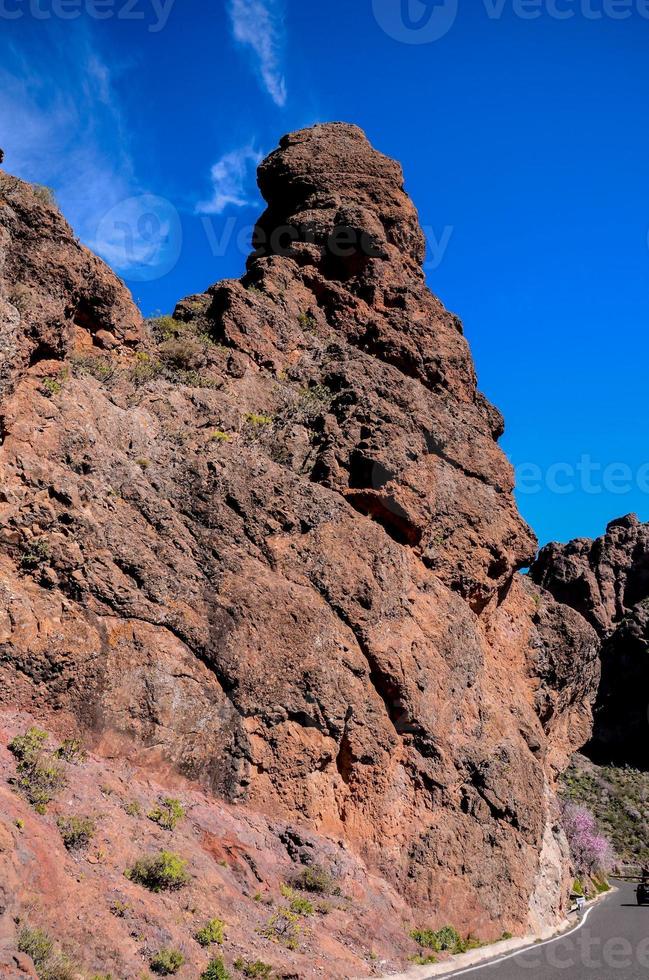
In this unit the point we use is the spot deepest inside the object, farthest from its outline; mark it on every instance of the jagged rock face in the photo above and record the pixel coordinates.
(607, 581)
(290, 570)
(54, 293)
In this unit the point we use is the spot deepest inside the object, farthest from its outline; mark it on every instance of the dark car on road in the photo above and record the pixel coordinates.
(642, 893)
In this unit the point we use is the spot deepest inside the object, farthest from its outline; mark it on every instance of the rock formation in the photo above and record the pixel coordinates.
(607, 581)
(271, 543)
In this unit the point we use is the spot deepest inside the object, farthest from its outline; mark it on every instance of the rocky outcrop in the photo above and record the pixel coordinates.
(55, 295)
(276, 548)
(607, 581)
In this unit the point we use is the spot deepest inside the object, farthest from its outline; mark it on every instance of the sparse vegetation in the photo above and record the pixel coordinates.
(167, 962)
(51, 387)
(167, 813)
(284, 927)
(307, 321)
(119, 909)
(37, 944)
(219, 436)
(316, 880)
(96, 366)
(444, 940)
(216, 970)
(49, 964)
(76, 832)
(39, 776)
(27, 747)
(133, 809)
(254, 968)
(212, 933)
(145, 368)
(165, 871)
(44, 194)
(297, 903)
(35, 553)
(423, 960)
(258, 421)
(71, 750)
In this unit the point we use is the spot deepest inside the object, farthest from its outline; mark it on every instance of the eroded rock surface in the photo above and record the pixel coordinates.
(275, 547)
(607, 581)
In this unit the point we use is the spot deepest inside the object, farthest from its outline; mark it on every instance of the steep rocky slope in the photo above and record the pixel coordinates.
(271, 544)
(607, 581)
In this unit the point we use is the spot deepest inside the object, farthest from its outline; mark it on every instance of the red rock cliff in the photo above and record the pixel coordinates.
(277, 548)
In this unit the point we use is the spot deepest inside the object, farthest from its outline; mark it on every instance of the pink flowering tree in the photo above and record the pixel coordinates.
(590, 850)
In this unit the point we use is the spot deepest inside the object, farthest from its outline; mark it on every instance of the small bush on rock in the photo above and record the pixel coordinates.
(37, 944)
(39, 780)
(211, 933)
(215, 970)
(27, 747)
(168, 813)
(77, 832)
(254, 968)
(444, 940)
(316, 880)
(284, 927)
(165, 871)
(71, 750)
(167, 962)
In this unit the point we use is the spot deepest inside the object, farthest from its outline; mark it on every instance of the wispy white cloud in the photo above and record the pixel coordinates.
(259, 25)
(62, 126)
(233, 178)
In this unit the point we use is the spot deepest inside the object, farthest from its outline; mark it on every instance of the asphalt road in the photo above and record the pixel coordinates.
(612, 944)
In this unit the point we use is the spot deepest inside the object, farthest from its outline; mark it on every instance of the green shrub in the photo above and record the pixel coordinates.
(184, 352)
(145, 368)
(51, 387)
(133, 809)
(35, 553)
(297, 903)
(37, 944)
(444, 940)
(211, 933)
(283, 927)
(258, 421)
(219, 436)
(39, 780)
(165, 871)
(77, 832)
(316, 880)
(420, 960)
(165, 328)
(168, 813)
(307, 321)
(577, 888)
(254, 968)
(119, 909)
(71, 750)
(27, 747)
(215, 970)
(167, 962)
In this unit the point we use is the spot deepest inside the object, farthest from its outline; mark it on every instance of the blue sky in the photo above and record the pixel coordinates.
(523, 130)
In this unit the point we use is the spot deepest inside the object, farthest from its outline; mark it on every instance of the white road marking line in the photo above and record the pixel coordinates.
(520, 952)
